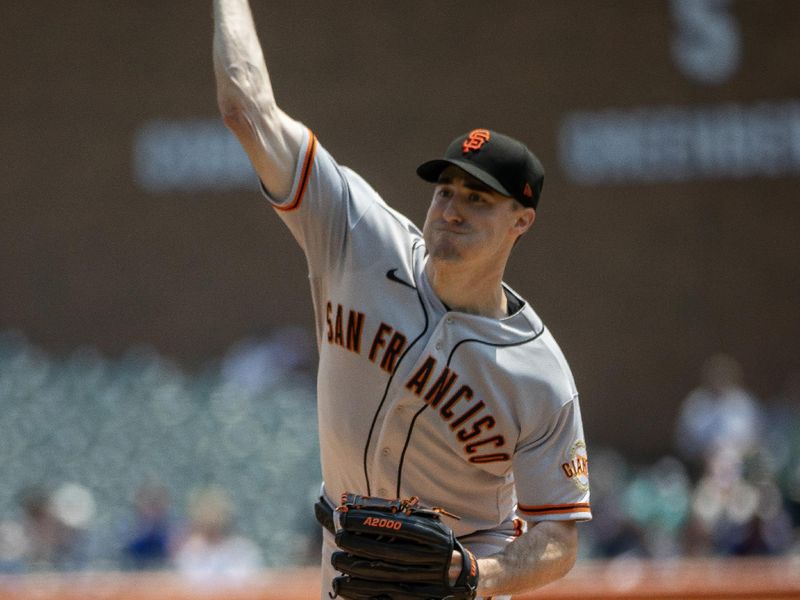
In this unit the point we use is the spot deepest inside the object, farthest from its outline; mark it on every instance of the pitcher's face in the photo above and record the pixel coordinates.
(469, 221)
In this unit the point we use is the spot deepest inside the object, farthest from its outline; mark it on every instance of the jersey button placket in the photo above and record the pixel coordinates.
(390, 438)
(441, 334)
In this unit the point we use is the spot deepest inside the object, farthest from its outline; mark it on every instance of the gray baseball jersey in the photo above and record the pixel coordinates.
(476, 415)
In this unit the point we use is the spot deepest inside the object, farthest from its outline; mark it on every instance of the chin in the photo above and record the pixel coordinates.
(446, 259)
(444, 252)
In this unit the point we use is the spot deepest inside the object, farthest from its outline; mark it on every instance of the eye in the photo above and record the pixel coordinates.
(444, 192)
(475, 197)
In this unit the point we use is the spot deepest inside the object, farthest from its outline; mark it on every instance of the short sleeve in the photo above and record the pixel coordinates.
(325, 202)
(551, 471)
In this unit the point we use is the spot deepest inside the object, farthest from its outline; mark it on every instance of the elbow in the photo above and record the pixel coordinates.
(570, 558)
(561, 552)
(242, 96)
(235, 118)
(569, 550)
(240, 114)
(231, 101)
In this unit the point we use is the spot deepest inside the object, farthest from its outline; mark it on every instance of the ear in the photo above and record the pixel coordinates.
(525, 218)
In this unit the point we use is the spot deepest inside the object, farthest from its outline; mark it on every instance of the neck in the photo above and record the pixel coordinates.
(468, 291)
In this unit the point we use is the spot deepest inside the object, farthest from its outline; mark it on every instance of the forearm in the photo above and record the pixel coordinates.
(545, 553)
(246, 100)
(239, 66)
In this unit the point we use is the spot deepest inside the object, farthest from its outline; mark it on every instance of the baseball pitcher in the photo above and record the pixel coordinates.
(452, 449)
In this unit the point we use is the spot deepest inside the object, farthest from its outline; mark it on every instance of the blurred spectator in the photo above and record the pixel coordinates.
(212, 552)
(782, 443)
(719, 416)
(737, 509)
(657, 501)
(149, 541)
(52, 540)
(13, 547)
(257, 363)
(613, 532)
(737, 505)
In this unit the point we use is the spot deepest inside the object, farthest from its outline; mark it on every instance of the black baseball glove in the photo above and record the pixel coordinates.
(397, 550)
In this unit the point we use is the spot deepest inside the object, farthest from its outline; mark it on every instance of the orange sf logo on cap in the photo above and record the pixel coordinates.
(475, 139)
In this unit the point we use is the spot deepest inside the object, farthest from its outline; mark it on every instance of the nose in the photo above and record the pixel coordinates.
(450, 212)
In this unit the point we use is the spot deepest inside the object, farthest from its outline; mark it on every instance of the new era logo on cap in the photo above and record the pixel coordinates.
(527, 192)
(504, 164)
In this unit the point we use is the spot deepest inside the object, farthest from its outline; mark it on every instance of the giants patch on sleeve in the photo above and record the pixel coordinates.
(576, 468)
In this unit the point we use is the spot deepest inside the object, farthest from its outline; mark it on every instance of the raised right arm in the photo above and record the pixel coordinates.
(269, 136)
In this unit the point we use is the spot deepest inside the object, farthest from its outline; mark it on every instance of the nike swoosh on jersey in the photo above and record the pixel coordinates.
(392, 275)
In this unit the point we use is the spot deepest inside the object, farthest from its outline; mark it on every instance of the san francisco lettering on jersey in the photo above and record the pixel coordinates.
(355, 328)
(467, 417)
(467, 425)
(387, 345)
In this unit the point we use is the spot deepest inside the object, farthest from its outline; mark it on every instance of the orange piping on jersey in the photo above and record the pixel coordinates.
(305, 174)
(556, 509)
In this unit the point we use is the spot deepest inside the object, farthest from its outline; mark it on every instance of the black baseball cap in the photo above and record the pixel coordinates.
(501, 162)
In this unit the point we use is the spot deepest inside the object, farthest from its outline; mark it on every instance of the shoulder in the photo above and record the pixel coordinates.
(379, 209)
(518, 354)
(540, 364)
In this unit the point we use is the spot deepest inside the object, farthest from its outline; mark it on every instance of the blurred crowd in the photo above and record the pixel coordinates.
(131, 463)
(731, 487)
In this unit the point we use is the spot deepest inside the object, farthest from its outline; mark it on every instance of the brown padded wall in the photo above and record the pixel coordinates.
(638, 281)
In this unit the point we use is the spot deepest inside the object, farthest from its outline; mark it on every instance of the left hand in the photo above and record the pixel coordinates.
(399, 550)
